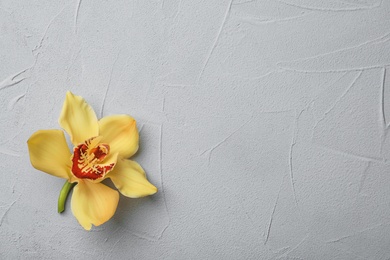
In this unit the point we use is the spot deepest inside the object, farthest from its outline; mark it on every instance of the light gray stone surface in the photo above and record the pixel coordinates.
(264, 124)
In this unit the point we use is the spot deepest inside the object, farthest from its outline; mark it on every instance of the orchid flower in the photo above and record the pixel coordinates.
(101, 150)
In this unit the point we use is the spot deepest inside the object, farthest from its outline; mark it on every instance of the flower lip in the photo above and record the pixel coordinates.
(87, 159)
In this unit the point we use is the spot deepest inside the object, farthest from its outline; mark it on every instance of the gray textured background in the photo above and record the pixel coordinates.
(264, 124)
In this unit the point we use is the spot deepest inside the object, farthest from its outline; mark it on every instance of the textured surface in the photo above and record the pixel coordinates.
(264, 124)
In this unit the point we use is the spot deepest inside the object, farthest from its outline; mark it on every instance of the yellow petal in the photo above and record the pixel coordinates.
(49, 153)
(93, 203)
(120, 133)
(78, 119)
(129, 177)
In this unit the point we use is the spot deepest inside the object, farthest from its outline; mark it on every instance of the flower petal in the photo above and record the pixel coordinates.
(78, 119)
(93, 203)
(120, 132)
(49, 153)
(130, 179)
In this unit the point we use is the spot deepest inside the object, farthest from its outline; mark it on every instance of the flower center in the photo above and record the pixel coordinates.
(87, 159)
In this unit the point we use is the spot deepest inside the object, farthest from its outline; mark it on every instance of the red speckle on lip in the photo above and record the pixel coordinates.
(86, 161)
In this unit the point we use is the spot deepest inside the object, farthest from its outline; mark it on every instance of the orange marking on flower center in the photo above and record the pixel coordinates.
(87, 158)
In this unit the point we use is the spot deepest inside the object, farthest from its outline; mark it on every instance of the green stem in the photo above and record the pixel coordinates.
(63, 195)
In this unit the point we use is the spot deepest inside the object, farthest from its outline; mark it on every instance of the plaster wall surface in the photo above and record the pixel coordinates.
(264, 124)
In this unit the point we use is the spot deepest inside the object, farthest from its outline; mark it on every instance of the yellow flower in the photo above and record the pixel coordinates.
(101, 149)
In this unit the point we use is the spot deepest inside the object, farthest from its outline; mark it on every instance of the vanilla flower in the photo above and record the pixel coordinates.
(101, 150)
